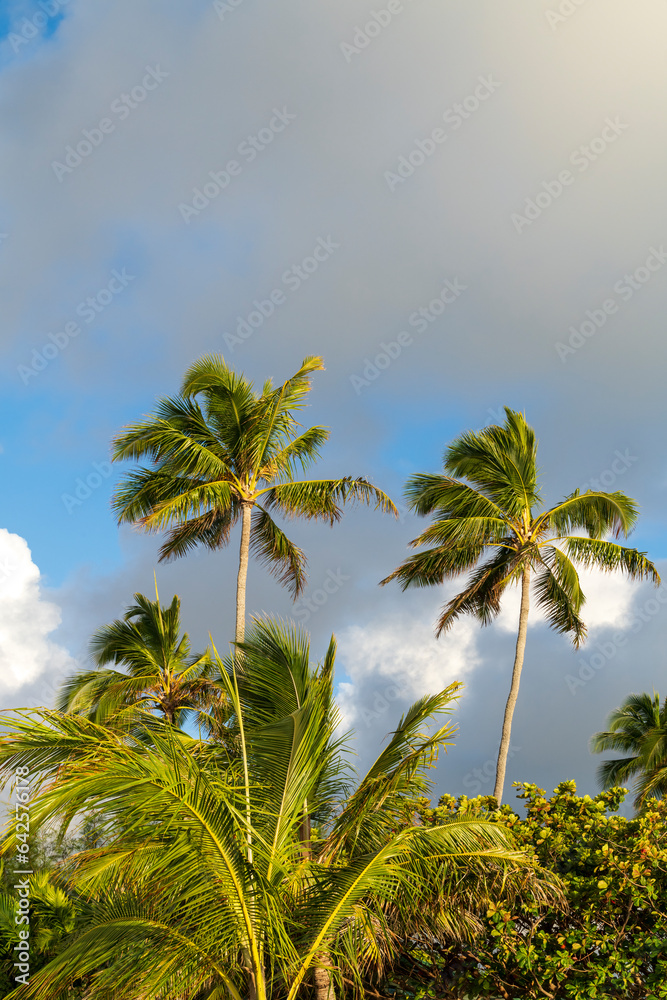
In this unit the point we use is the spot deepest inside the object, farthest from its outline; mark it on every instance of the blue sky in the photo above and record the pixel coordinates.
(481, 208)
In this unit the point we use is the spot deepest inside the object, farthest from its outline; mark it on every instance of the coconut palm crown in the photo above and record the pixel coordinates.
(220, 452)
(489, 521)
(160, 674)
(638, 729)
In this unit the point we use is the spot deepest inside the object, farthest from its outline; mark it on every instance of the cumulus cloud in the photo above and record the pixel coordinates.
(395, 659)
(609, 601)
(31, 664)
(390, 663)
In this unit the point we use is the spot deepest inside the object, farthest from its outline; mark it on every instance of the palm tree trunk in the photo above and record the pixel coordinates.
(322, 975)
(323, 978)
(252, 985)
(246, 516)
(514, 689)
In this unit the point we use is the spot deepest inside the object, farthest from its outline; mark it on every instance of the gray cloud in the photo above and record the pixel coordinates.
(323, 178)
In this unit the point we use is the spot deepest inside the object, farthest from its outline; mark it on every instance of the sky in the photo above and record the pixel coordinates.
(459, 206)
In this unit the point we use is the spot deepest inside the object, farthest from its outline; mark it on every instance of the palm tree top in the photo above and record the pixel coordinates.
(143, 663)
(148, 635)
(220, 452)
(638, 730)
(487, 507)
(236, 434)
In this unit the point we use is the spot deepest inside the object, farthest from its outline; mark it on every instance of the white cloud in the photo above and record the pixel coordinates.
(609, 601)
(31, 665)
(394, 660)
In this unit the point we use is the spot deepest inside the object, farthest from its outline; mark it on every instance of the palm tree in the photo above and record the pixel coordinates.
(221, 452)
(160, 673)
(489, 519)
(214, 883)
(54, 915)
(637, 729)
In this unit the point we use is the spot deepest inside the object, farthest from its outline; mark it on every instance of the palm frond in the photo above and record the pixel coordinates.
(395, 777)
(500, 461)
(464, 531)
(193, 502)
(559, 594)
(434, 566)
(177, 434)
(284, 560)
(481, 597)
(610, 557)
(428, 493)
(323, 499)
(212, 530)
(596, 512)
(300, 453)
(276, 424)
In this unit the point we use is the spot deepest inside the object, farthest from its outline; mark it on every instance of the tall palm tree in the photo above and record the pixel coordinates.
(221, 452)
(637, 729)
(160, 674)
(489, 519)
(212, 885)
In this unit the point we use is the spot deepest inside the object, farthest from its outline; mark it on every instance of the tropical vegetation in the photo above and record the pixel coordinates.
(638, 729)
(160, 675)
(196, 827)
(245, 866)
(489, 520)
(608, 940)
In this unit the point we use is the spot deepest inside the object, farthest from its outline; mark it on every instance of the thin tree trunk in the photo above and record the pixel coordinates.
(253, 974)
(244, 551)
(252, 982)
(323, 978)
(514, 689)
(322, 974)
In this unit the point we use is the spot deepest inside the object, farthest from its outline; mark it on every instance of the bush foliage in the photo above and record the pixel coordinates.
(608, 940)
